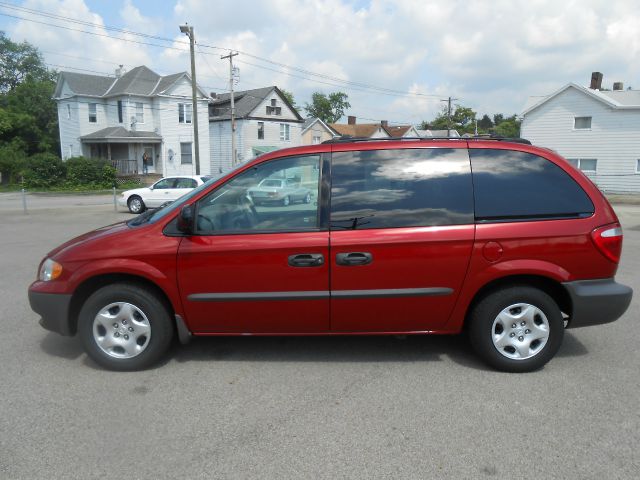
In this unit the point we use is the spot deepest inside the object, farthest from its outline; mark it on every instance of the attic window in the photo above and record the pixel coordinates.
(582, 123)
(273, 102)
(273, 110)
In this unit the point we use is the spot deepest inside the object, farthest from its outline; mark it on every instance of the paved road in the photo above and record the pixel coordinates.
(422, 407)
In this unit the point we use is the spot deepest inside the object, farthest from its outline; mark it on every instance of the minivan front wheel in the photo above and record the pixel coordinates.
(517, 329)
(125, 327)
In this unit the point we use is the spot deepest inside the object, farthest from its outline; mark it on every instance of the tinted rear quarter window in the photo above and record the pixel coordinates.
(511, 185)
(400, 188)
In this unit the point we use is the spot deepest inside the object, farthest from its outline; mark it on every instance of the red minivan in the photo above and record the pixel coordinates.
(401, 236)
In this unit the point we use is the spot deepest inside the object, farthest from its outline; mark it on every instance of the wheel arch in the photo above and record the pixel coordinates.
(92, 284)
(551, 287)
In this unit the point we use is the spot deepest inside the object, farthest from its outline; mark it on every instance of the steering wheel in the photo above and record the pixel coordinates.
(202, 220)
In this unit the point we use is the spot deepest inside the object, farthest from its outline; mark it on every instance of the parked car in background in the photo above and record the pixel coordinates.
(501, 239)
(283, 191)
(164, 190)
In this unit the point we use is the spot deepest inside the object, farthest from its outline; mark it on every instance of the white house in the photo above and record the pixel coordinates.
(265, 121)
(598, 131)
(123, 117)
(315, 131)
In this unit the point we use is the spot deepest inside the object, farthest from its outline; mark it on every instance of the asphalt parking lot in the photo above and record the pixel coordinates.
(250, 407)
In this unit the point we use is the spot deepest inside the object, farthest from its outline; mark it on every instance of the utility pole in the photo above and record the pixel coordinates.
(188, 30)
(234, 157)
(449, 100)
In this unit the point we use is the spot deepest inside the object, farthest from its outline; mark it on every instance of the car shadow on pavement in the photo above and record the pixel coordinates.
(410, 348)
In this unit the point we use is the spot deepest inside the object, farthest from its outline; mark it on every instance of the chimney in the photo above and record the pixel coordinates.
(384, 123)
(351, 120)
(214, 95)
(596, 81)
(119, 71)
(618, 86)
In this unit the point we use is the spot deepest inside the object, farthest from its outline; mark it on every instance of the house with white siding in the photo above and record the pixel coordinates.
(315, 131)
(361, 130)
(596, 130)
(265, 121)
(123, 117)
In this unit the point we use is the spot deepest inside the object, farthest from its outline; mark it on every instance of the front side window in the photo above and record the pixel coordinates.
(93, 112)
(277, 196)
(511, 185)
(400, 188)
(582, 123)
(186, 183)
(184, 112)
(165, 183)
(185, 153)
(139, 112)
(260, 130)
(285, 132)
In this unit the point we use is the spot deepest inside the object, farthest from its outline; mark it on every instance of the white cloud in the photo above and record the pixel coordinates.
(490, 55)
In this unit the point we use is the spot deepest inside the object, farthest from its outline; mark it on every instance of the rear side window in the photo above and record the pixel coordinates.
(400, 188)
(510, 185)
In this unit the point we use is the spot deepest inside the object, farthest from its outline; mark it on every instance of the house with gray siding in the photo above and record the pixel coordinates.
(121, 118)
(597, 130)
(265, 121)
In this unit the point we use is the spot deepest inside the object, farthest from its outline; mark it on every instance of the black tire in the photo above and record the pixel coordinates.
(307, 198)
(486, 325)
(146, 302)
(135, 204)
(286, 201)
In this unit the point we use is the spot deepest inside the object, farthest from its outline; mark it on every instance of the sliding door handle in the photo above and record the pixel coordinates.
(354, 258)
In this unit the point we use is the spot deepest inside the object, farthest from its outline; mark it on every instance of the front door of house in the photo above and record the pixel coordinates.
(148, 159)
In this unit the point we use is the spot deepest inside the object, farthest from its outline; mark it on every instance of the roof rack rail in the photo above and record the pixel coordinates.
(350, 139)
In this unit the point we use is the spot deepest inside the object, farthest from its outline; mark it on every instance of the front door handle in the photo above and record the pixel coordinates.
(306, 260)
(354, 258)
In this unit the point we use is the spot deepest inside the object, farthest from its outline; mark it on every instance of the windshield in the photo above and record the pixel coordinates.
(152, 216)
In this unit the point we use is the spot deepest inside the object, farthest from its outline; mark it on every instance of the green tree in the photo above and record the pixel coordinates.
(509, 127)
(485, 123)
(328, 108)
(12, 163)
(462, 120)
(290, 98)
(19, 61)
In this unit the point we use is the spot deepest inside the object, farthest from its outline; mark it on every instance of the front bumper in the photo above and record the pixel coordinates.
(597, 301)
(54, 310)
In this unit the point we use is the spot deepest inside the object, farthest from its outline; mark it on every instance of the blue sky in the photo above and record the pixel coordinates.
(404, 55)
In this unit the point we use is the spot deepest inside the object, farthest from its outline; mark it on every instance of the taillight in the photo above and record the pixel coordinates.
(608, 239)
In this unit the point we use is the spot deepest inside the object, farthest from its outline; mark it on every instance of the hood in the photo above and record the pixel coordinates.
(117, 229)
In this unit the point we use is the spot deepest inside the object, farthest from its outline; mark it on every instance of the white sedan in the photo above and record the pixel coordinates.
(164, 190)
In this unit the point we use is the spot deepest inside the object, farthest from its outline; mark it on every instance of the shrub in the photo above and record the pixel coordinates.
(12, 163)
(44, 170)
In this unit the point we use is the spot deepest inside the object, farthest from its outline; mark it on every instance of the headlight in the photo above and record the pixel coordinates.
(50, 270)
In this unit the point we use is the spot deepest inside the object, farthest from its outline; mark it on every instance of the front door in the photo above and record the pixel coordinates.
(402, 230)
(257, 268)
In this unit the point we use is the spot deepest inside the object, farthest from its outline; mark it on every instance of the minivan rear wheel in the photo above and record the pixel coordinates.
(124, 327)
(516, 329)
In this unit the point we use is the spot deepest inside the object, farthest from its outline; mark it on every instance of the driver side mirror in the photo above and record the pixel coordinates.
(185, 219)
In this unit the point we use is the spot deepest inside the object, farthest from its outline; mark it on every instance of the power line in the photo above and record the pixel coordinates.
(342, 83)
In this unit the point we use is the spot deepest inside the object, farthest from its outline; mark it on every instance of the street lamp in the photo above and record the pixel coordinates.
(188, 31)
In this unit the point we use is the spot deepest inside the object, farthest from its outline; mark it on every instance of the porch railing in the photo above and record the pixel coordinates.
(125, 167)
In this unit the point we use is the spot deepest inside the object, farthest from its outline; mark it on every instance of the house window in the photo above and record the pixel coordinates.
(184, 112)
(272, 109)
(68, 111)
(637, 166)
(285, 133)
(120, 111)
(93, 113)
(588, 165)
(316, 140)
(582, 123)
(260, 130)
(185, 153)
(273, 102)
(139, 112)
